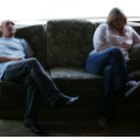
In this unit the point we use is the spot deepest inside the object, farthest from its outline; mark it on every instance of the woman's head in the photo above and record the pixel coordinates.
(116, 18)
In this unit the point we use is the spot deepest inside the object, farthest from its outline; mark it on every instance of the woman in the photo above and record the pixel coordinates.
(112, 41)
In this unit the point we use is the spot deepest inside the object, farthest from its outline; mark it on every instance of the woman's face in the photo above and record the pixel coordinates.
(119, 22)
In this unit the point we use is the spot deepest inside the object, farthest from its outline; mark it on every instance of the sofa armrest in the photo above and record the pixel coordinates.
(135, 51)
(134, 63)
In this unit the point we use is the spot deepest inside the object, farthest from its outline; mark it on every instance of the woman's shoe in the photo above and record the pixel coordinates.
(131, 87)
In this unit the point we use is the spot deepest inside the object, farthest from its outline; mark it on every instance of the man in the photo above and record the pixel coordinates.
(16, 60)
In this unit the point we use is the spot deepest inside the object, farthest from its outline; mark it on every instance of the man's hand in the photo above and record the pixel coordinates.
(15, 59)
(5, 59)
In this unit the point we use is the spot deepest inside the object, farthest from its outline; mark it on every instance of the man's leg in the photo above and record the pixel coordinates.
(37, 79)
(33, 100)
(46, 85)
(32, 105)
(40, 77)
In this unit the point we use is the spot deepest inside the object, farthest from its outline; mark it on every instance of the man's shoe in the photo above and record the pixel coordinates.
(131, 87)
(34, 127)
(65, 101)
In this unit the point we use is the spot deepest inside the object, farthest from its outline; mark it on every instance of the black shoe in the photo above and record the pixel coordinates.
(34, 127)
(103, 122)
(131, 87)
(65, 101)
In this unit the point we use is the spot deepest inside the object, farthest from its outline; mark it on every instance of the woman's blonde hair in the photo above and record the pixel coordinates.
(113, 14)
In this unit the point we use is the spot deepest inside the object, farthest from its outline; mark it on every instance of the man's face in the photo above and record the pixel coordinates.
(8, 28)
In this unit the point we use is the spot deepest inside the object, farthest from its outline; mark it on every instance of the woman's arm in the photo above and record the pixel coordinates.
(99, 38)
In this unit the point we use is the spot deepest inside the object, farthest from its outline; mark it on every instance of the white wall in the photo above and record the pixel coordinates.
(52, 9)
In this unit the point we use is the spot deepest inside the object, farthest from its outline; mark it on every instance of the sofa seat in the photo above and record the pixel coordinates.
(75, 81)
(10, 91)
(135, 75)
(75, 77)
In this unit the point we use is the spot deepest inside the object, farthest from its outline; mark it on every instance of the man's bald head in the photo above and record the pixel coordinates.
(8, 28)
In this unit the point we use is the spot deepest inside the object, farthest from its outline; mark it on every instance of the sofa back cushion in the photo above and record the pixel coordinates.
(134, 63)
(36, 37)
(68, 42)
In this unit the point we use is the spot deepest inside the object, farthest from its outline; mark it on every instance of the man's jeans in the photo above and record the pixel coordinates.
(38, 83)
(111, 65)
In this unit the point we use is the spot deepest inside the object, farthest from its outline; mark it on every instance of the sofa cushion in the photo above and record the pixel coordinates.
(36, 37)
(68, 42)
(135, 75)
(76, 78)
(11, 95)
(134, 63)
(72, 73)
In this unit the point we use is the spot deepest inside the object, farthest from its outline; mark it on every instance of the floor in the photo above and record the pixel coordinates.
(82, 126)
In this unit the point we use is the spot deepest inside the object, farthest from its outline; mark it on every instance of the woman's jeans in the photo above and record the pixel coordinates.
(111, 65)
(38, 83)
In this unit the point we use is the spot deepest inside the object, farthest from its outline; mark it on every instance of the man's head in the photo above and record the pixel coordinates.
(8, 28)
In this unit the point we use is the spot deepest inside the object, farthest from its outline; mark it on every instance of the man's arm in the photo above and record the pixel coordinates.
(27, 48)
(5, 59)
